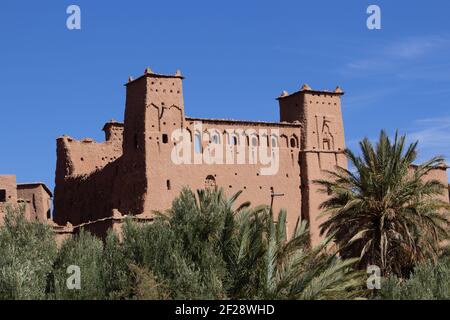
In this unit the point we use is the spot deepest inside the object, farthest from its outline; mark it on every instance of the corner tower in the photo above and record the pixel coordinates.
(322, 144)
(154, 107)
(148, 98)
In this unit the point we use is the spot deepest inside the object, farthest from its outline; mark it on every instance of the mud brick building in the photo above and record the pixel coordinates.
(137, 169)
(132, 171)
(34, 198)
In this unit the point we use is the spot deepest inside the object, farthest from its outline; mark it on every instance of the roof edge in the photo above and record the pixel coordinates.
(36, 184)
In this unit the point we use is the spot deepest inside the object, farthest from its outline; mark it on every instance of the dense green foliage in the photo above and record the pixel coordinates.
(201, 249)
(104, 270)
(429, 281)
(27, 252)
(381, 213)
(384, 211)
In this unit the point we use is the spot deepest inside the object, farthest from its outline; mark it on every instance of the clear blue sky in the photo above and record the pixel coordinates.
(237, 56)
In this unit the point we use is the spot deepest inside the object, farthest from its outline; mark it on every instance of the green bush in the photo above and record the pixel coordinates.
(202, 248)
(86, 252)
(27, 252)
(115, 274)
(103, 268)
(143, 285)
(429, 281)
(180, 250)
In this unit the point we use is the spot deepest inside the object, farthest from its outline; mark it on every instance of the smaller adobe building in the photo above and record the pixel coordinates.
(36, 198)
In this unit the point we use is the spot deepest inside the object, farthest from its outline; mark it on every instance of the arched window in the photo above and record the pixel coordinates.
(274, 142)
(198, 142)
(254, 141)
(234, 140)
(215, 138)
(253, 150)
(293, 142)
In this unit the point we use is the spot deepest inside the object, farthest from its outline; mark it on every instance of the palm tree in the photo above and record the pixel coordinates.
(240, 252)
(264, 263)
(385, 211)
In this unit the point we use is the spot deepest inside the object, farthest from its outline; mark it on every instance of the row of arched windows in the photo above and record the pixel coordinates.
(252, 140)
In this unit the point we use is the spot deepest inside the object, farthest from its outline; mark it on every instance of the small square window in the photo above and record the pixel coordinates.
(2, 195)
(165, 138)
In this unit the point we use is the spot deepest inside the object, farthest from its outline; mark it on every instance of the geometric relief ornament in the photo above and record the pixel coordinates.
(327, 136)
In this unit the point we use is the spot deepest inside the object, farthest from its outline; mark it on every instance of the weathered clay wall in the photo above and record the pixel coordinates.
(87, 155)
(9, 185)
(38, 200)
(90, 183)
(89, 197)
(166, 178)
(87, 176)
(322, 143)
(94, 180)
(165, 113)
(9, 190)
(33, 199)
(114, 132)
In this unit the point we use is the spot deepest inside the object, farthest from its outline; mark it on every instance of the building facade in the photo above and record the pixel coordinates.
(134, 171)
(35, 199)
(145, 161)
